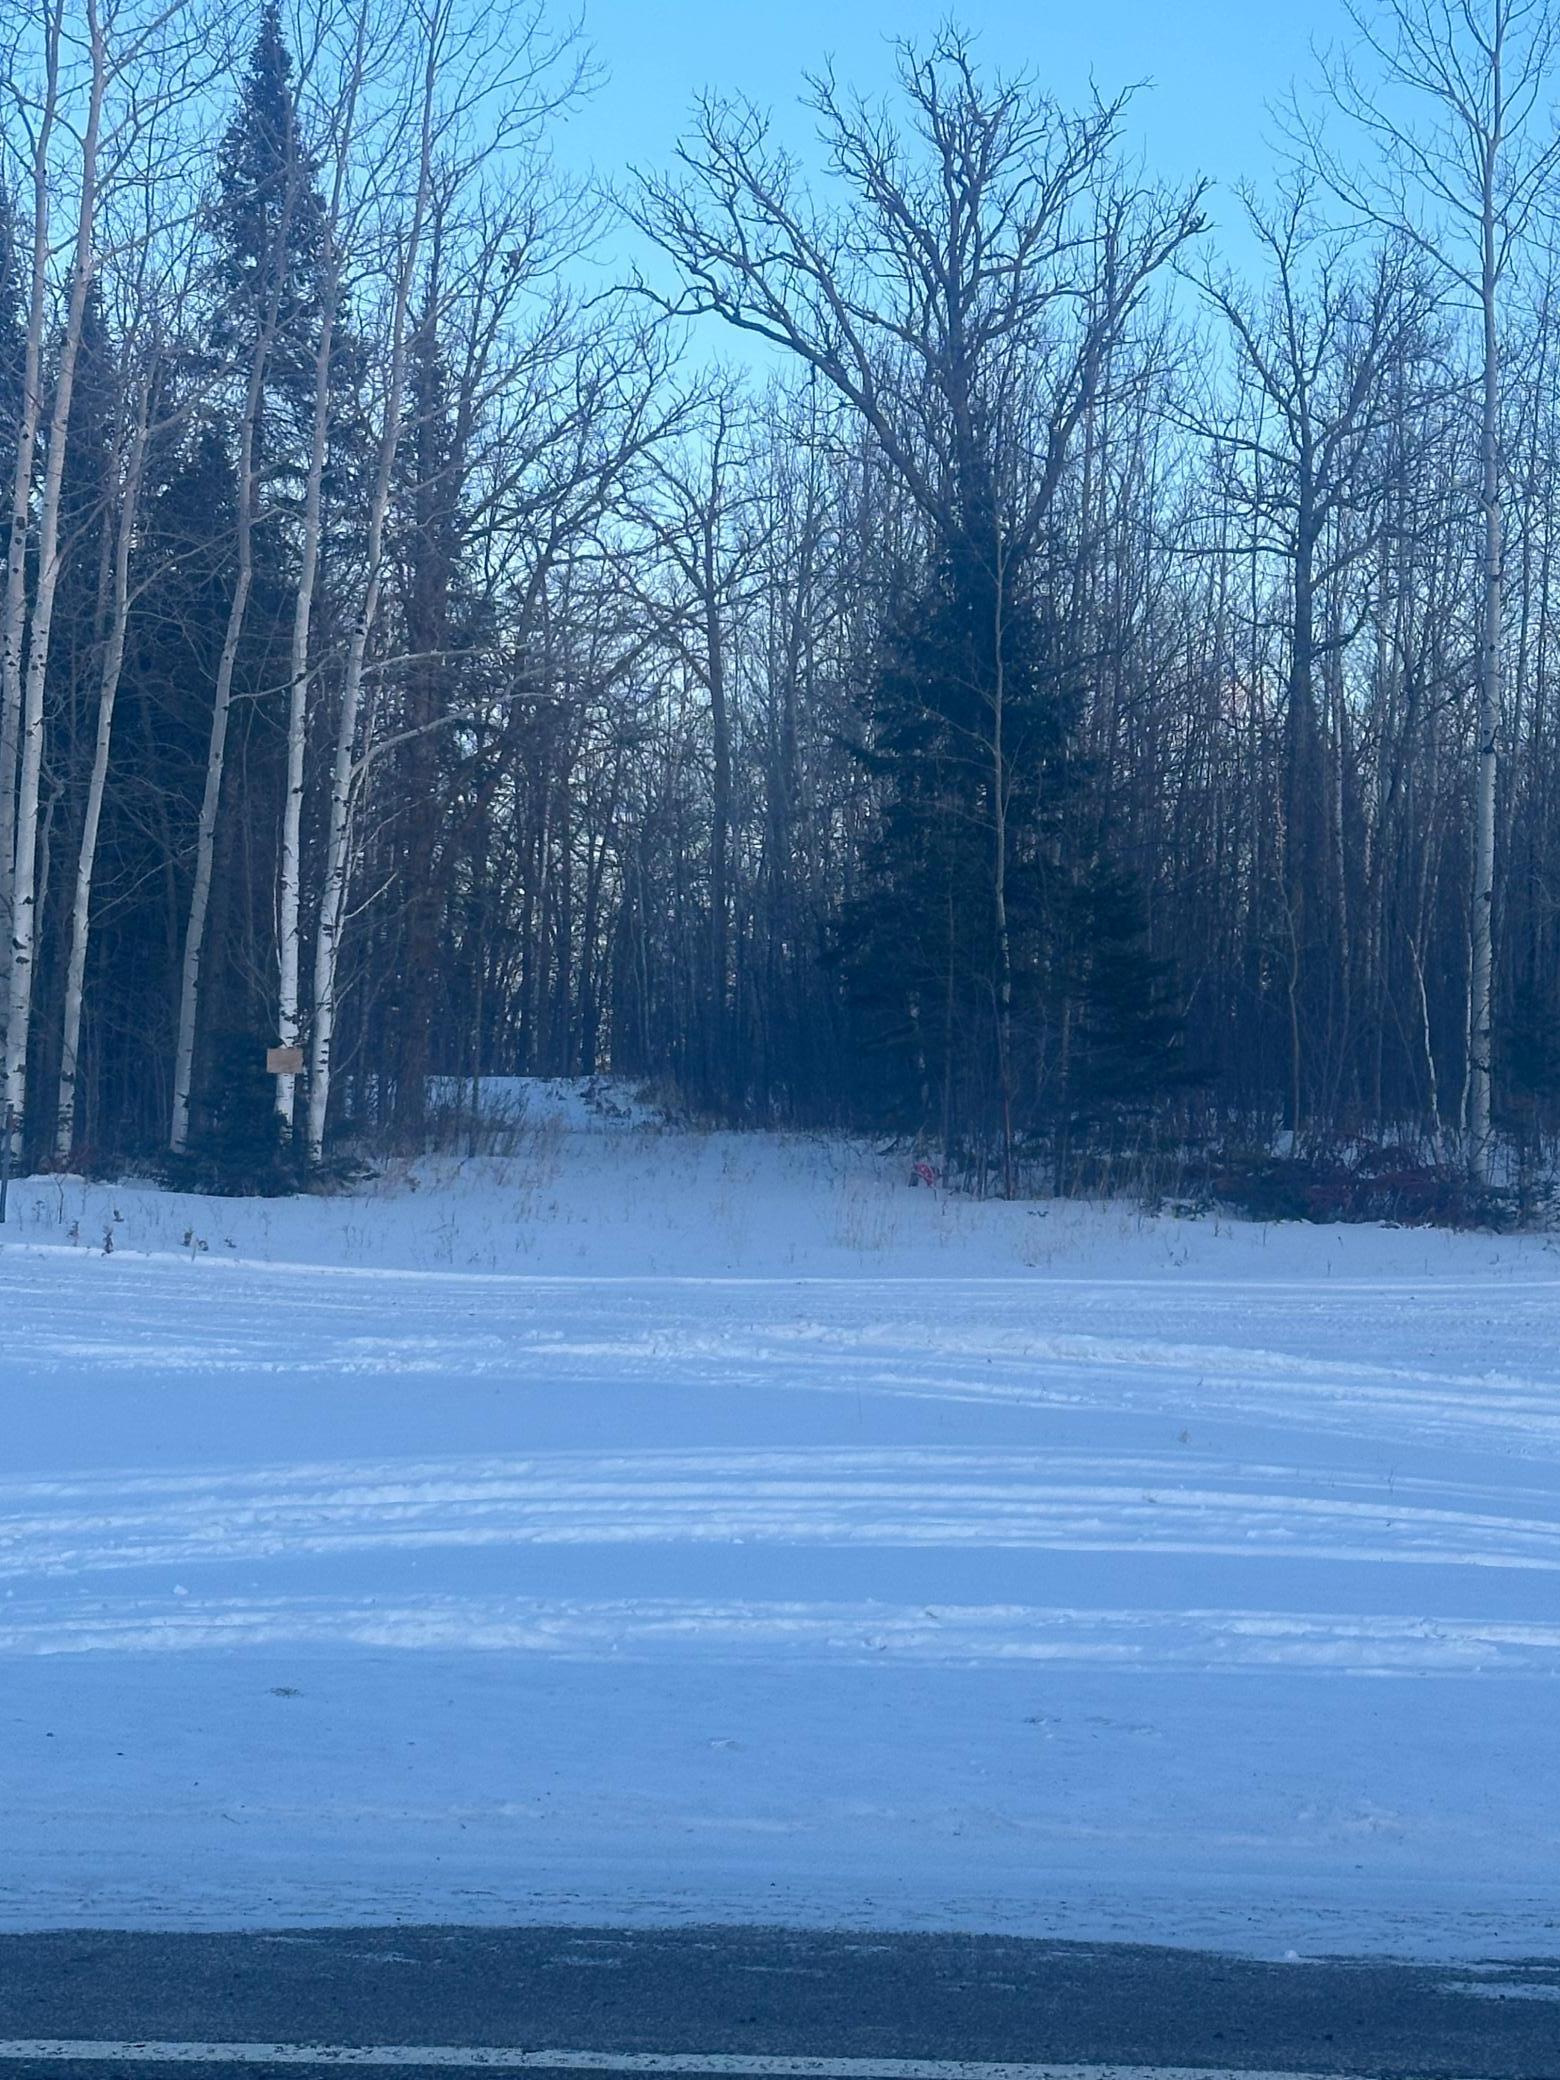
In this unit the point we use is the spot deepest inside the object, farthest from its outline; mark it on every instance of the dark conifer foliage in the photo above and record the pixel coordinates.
(1129, 1057)
(185, 567)
(267, 219)
(920, 937)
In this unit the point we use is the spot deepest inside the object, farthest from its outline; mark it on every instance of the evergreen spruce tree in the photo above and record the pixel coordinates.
(269, 220)
(1095, 1029)
(919, 941)
(86, 498)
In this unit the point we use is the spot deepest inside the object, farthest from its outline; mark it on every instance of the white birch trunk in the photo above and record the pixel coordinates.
(13, 627)
(1481, 1007)
(108, 691)
(24, 890)
(290, 867)
(216, 757)
(289, 1021)
(336, 888)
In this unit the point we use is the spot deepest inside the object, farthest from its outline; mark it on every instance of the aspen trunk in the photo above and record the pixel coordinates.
(13, 630)
(216, 758)
(337, 884)
(999, 803)
(292, 816)
(290, 870)
(289, 1024)
(24, 880)
(718, 1067)
(108, 691)
(1481, 1007)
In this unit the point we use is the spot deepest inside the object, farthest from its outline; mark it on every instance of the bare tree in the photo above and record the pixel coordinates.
(1316, 353)
(1449, 97)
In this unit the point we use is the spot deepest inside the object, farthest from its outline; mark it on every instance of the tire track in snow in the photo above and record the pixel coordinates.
(1015, 1344)
(882, 1498)
(687, 1628)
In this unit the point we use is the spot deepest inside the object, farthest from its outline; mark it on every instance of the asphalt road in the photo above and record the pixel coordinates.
(747, 2002)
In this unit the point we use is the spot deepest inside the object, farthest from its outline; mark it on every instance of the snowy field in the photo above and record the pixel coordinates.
(654, 1526)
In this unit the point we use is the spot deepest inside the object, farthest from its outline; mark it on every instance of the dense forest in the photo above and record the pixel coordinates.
(937, 648)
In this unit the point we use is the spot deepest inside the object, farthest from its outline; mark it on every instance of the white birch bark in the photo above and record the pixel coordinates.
(1481, 1007)
(14, 625)
(108, 690)
(24, 889)
(289, 1021)
(336, 889)
(216, 749)
(290, 864)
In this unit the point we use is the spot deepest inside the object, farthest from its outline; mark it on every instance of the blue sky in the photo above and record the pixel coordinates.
(1211, 65)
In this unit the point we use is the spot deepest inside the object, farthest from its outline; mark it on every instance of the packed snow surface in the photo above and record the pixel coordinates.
(651, 1525)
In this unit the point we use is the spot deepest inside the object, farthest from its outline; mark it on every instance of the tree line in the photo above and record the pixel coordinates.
(938, 648)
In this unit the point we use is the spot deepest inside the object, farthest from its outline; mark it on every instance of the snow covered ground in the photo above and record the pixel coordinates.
(659, 1526)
